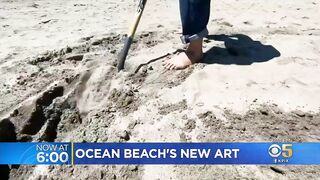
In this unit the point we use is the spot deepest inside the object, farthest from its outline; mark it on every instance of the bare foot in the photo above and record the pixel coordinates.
(192, 55)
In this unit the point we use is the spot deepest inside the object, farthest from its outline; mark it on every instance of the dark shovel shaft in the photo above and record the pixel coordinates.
(124, 52)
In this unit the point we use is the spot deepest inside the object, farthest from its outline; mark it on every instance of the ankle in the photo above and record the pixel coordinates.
(194, 51)
(195, 46)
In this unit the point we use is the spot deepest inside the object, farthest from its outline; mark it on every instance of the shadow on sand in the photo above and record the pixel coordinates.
(239, 49)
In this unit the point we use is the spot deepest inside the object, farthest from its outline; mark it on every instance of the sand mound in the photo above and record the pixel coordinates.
(91, 102)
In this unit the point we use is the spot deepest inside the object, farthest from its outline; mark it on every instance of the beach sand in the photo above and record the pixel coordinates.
(259, 82)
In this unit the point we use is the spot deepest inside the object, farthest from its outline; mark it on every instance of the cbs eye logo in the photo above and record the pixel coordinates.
(285, 150)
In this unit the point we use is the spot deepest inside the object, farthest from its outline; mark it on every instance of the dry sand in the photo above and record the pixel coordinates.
(259, 82)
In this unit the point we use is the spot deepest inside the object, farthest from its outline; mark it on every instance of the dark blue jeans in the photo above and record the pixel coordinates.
(194, 17)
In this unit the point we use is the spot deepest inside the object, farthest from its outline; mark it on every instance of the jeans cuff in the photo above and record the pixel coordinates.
(185, 39)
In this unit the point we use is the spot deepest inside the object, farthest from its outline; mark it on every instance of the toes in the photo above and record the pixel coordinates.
(167, 65)
(164, 63)
(173, 67)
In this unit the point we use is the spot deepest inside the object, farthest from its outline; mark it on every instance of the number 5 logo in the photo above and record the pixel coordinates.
(287, 150)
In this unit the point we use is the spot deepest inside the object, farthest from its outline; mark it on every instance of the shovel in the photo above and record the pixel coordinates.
(124, 52)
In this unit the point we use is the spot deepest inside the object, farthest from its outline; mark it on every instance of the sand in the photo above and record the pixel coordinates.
(258, 82)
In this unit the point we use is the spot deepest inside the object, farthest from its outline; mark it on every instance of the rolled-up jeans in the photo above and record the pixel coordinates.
(194, 18)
